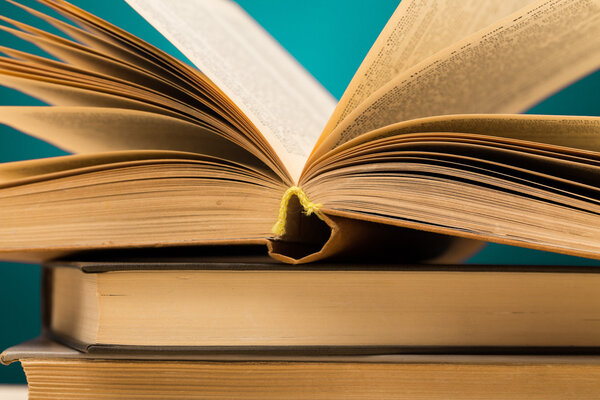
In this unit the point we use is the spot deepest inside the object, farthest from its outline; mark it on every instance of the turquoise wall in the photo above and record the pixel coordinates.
(330, 38)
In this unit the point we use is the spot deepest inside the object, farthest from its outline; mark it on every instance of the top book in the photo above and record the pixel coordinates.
(247, 148)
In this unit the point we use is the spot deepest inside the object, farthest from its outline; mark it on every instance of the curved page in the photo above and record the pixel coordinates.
(416, 30)
(286, 104)
(505, 68)
(93, 129)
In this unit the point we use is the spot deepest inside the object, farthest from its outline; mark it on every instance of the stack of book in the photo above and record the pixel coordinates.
(232, 232)
(249, 327)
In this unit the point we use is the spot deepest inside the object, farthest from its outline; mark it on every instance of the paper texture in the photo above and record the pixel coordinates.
(560, 130)
(99, 129)
(538, 48)
(284, 102)
(416, 30)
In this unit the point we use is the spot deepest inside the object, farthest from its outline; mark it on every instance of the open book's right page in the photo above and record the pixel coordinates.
(417, 30)
(504, 68)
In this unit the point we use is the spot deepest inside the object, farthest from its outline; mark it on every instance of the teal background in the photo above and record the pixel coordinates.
(329, 37)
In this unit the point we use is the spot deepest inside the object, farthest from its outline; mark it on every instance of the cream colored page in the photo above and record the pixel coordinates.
(416, 30)
(285, 103)
(95, 129)
(503, 69)
(18, 171)
(560, 130)
(58, 93)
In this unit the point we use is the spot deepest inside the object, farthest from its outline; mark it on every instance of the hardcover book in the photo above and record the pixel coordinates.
(55, 371)
(256, 304)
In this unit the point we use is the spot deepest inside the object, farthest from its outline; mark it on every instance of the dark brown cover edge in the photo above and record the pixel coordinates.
(44, 348)
(249, 265)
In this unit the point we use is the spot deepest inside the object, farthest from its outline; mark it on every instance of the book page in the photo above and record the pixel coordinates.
(559, 130)
(19, 172)
(286, 104)
(100, 129)
(416, 30)
(505, 68)
(572, 132)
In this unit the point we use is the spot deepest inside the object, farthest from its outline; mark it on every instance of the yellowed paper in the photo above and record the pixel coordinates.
(98, 42)
(538, 49)
(97, 129)
(416, 30)
(13, 173)
(561, 130)
(91, 61)
(58, 93)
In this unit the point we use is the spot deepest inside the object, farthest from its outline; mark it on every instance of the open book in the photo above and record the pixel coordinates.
(419, 154)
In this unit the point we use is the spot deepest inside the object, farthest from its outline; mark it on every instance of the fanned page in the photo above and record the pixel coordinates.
(288, 106)
(108, 71)
(541, 48)
(416, 30)
(59, 206)
(98, 129)
(524, 180)
(566, 131)
(521, 180)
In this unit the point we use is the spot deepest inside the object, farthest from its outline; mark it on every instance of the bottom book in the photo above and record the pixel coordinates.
(58, 372)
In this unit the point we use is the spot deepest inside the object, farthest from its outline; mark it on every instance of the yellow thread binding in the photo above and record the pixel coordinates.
(309, 208)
